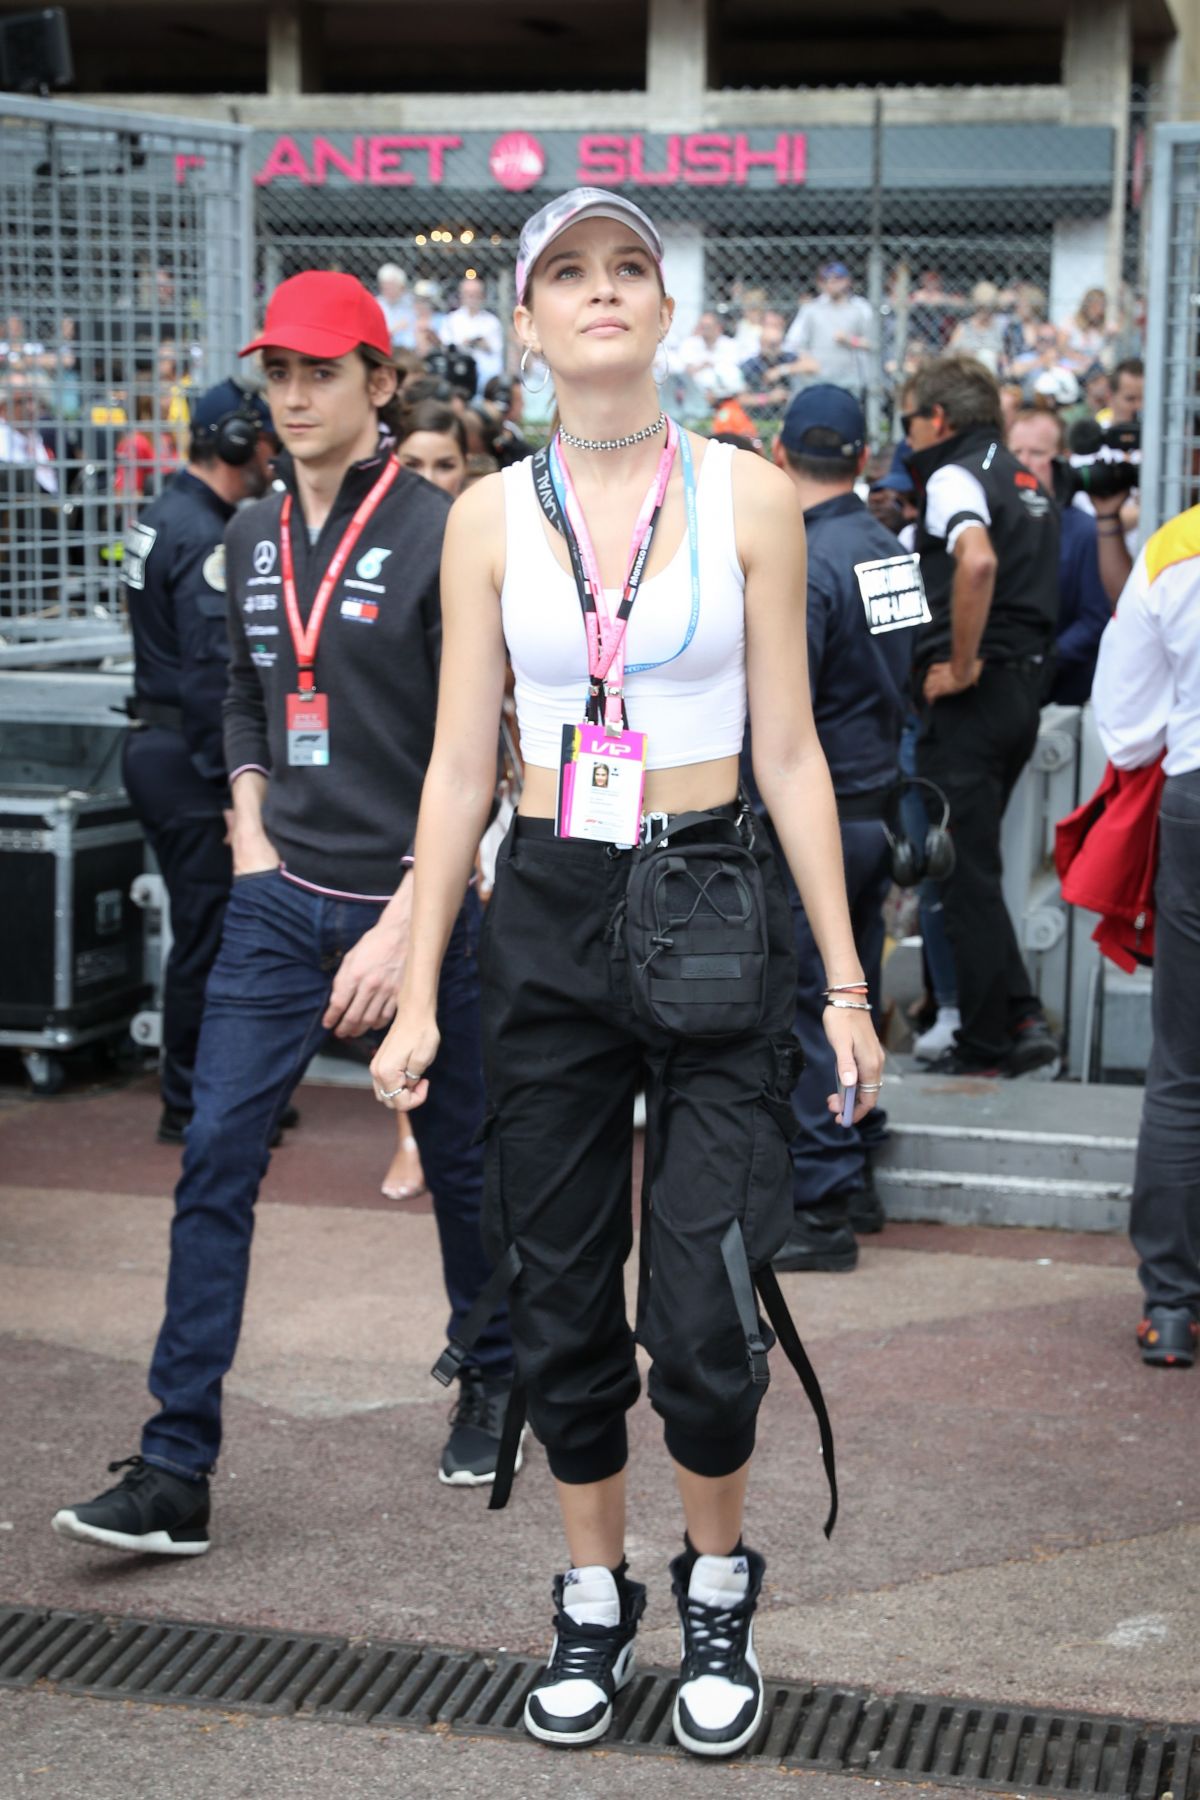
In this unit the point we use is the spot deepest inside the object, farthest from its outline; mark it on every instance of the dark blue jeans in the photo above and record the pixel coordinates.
(262, 1022)
(827, 1157)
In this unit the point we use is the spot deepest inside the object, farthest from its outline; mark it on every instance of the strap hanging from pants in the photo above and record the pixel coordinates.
(450, 1362)
(743, 1284)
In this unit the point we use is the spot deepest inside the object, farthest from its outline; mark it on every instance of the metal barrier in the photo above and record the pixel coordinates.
(125, 271)
(1171, 420)
(921, 214)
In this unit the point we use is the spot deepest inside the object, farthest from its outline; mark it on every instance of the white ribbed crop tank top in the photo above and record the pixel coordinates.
(693, 708)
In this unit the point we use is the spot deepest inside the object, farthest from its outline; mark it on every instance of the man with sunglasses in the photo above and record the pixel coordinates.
(988, 542)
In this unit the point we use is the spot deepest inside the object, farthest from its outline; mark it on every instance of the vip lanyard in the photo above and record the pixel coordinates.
(305, 639)
(606, 649)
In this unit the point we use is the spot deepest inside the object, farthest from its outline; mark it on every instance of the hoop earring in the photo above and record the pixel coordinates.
(543, 383)
(666, 369)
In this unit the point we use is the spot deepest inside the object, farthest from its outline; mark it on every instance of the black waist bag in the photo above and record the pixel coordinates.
(696, 930)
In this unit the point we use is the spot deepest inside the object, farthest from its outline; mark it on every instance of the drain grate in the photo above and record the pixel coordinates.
(902, 1737)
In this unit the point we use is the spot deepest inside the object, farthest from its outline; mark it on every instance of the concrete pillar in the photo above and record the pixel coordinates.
(677, 63)
(291, 62)
(1097, 70)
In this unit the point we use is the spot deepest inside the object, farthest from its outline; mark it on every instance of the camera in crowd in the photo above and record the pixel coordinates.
(1101, 460)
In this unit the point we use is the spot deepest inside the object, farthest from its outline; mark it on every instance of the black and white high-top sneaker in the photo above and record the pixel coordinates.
(595, 1623)
(150, 1511)
(719, 1705)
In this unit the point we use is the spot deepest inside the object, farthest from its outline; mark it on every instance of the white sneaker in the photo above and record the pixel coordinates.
(719, 1706)
(590, 1659)
(940, 1036)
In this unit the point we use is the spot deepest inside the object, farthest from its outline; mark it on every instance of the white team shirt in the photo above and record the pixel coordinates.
(1146, 693)
(950, 492)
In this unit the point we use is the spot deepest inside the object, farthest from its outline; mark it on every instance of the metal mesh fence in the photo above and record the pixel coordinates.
(1171, 444)
(124, 287)
(984, 237)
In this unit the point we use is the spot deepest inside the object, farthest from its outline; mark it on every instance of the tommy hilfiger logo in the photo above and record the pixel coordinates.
(365, 610)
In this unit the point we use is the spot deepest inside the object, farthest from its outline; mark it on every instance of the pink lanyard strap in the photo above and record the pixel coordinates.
(305, 639)
(606, 627)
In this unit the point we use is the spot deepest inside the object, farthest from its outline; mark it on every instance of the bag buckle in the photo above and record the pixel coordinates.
(760, 1373)
(654, 825)
(448, 1364)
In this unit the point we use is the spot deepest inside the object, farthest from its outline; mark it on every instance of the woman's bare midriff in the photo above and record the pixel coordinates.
(690, 789)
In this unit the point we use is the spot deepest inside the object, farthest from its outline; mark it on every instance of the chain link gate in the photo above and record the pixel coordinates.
(125, 287)
(1171, 424)
(921, 214)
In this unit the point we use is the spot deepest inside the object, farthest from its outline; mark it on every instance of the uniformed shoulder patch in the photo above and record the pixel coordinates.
(214, 569)
(139, 542)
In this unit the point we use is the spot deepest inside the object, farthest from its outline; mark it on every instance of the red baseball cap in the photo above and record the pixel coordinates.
(320, 313)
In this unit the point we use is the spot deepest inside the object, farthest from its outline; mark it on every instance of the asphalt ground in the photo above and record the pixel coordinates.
(1020, 1517)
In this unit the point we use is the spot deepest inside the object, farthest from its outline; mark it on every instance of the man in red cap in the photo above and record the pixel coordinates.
(335, 630)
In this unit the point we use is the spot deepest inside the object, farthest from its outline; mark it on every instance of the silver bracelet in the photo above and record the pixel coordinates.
(851, 1005)
(845, 987)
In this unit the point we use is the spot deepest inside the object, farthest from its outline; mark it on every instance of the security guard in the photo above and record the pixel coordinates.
(174, 763)
(864, 600)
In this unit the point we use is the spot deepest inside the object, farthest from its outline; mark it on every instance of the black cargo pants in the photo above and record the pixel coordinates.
(564, 1057)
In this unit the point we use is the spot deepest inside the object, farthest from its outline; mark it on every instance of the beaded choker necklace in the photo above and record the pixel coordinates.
(621, 443)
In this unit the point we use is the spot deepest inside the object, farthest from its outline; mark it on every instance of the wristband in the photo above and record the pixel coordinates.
(849, 1005)
(1115, 528)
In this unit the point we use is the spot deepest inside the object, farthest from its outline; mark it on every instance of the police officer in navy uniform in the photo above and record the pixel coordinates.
(174, 762)
(864, 600)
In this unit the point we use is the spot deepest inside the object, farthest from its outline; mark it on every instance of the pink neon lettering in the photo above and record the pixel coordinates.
(183, 163)
(285, 163)
(653, 177)
(708, 159)
(799, 158)
(603, 155)
(780, 159)
(437, 148)
(384, 161)
(326, 155)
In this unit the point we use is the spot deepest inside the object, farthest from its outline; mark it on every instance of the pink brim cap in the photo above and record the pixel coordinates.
(539, 232)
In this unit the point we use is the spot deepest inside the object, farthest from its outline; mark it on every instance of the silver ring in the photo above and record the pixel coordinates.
(869, 1087)
(390, 1093)
(409, 1076)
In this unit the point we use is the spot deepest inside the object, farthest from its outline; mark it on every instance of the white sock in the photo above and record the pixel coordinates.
(719, 1580)
(590, 1596)
(950, 1016)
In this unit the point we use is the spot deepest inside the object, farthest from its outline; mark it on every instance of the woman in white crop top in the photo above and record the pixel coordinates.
(717, 623)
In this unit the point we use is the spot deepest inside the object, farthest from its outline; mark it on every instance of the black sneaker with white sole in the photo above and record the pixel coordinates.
(476, 1427)
(595, 1623)
(150, 1512)
(719, 1706)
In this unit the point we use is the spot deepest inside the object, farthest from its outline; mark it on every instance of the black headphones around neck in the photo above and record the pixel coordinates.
(913, 863)
(235, 436)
